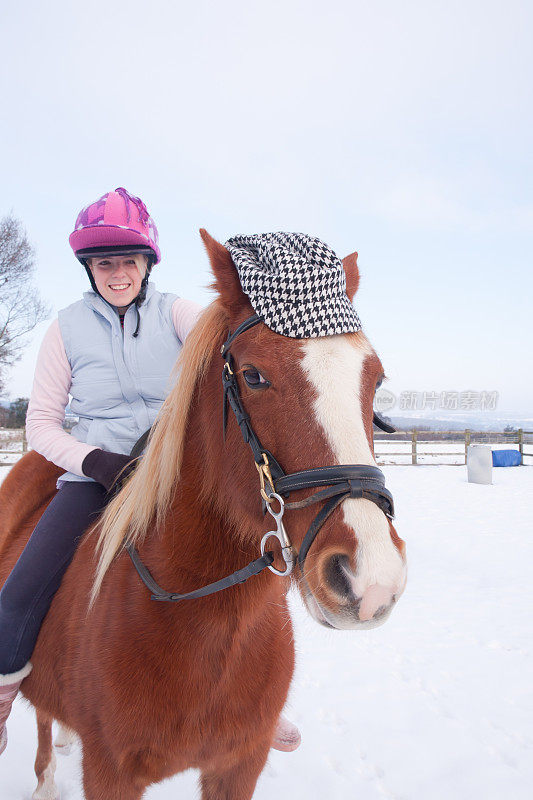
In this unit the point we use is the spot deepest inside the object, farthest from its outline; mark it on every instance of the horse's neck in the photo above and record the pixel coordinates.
(196, 545)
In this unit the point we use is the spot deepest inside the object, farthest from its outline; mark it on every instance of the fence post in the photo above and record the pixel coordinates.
(413, 448)
(467, 442)
(521, 445)
(24, 441)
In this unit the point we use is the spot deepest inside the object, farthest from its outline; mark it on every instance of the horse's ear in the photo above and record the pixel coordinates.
(352, 274)
(227, 282)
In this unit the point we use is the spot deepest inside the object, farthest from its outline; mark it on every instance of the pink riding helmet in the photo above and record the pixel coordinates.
(117, 222)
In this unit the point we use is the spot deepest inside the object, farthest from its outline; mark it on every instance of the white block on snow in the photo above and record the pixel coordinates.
(479, 463)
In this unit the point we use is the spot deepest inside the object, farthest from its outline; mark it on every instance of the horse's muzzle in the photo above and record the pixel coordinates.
(335, 604)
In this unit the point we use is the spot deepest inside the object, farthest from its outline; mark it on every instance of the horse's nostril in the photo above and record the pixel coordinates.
(336, 572)
(382, 610)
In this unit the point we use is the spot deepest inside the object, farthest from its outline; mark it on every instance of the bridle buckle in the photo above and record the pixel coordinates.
(264, 473)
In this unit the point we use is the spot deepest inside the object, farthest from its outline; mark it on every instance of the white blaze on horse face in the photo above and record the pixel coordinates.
(334, 366)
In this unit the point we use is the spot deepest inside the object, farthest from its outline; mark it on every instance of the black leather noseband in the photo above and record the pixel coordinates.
(339, 483)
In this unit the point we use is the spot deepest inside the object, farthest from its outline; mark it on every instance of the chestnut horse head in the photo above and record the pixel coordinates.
(310, 404)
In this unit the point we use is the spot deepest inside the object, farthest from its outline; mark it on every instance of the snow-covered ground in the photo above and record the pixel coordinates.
(434, 705)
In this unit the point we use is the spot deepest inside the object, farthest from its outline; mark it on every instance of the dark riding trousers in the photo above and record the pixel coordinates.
(28, 591)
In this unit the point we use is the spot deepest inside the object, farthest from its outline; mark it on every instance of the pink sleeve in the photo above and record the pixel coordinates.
(46, 410)
(184, 315)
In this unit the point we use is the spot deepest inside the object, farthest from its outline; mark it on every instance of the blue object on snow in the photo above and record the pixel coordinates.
(505, 458)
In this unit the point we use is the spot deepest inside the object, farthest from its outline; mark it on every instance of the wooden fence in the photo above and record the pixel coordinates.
(20, 438)
(418, 439)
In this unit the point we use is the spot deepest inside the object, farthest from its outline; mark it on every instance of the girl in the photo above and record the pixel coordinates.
(113, 352)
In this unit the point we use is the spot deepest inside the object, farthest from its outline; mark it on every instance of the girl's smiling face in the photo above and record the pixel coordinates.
(118, 278)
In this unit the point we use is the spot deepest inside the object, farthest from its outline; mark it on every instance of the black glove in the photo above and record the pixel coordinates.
(106, 467)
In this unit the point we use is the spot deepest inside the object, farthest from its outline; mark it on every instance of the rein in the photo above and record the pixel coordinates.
(340, 482)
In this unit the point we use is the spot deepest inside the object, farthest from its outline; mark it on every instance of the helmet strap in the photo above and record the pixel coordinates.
(141, 297)
(91, 278)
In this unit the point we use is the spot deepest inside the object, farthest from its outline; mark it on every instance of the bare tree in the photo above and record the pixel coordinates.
(20, 307)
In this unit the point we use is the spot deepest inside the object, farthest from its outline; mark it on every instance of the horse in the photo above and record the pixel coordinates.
(155, 688)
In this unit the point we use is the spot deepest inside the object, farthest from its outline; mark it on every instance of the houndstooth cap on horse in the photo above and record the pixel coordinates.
(295, 282)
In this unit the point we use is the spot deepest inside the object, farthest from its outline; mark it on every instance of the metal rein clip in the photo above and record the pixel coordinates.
(281, 535)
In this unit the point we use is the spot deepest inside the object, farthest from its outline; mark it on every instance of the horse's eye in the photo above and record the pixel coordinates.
(253, 378)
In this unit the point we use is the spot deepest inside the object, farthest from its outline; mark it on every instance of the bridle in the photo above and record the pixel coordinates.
(340, 482)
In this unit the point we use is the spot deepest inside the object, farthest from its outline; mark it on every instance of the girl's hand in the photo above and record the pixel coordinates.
(108, 469)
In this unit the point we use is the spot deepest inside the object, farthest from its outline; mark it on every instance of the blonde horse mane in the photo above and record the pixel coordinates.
(146, 496)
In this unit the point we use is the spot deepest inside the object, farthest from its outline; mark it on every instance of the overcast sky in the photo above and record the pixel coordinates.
(401, 130)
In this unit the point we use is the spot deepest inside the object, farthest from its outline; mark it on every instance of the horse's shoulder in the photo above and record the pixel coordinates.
(27, 489)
